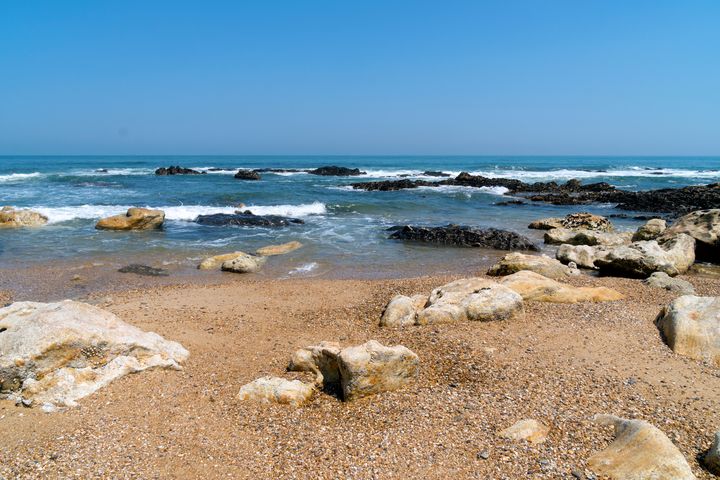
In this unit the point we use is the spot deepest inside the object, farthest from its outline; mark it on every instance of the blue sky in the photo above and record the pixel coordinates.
(360, 77)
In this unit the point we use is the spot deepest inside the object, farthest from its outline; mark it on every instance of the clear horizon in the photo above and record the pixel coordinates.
(517, 78)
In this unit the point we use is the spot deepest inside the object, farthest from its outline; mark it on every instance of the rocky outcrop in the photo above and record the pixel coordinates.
(641, 259)
(214, 262)
(652, 229)
(277, 390)
(560, 236)
(246, 220)
(547, 223)
(704, 227)
(281, 249)
(535, 287)
(542, 264)
(247, 175)
(575, 221)
(402, 310)
(144, 270)
(475, 299)
(690, 326)
(392, 185)
(53, 354)
(360, 371)
(335, 171)
(711, 460)
(244, 264)
(134, 219)
(666, 282)
(639, 451)
(464, 236)
(177, 170)
(10, 217)
(529, 430)
(584, 256)
(434, 173)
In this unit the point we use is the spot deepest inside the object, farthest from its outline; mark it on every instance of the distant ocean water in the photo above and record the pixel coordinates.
(344, 229)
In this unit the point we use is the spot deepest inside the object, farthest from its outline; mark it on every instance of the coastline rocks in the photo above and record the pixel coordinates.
(177, 170)
(372, 368)
(559, 236)
(675, 285)
(10, 217)
(214, 262)
(704, 227)
(278, 249)
(464, 236)
(56, 353)
(247, 175)
(243, 264)
(641, 259)
(277, 390)
(134, 219)
(529, 430)
(639, 451)
(690, 326)
(246, 219)
(475, 299)
(402, 310)
(535, 287)
(434, 173)
(583, 256)
(335, 171)
(575, 221)
(542, 264)
(144, 270)
(712, 457)
(652, 229)
(392, 185)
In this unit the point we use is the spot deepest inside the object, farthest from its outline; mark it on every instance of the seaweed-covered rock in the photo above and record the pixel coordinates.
(144, 270)
(247, 175)
(177, 170)
(464, 236)
(246, 220)
(335, 171)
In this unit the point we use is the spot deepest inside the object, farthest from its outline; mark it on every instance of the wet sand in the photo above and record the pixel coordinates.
(561, 364)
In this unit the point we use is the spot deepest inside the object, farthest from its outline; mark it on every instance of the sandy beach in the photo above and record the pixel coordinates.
(560, 364)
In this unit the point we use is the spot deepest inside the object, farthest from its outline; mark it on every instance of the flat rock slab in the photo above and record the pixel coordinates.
(639, 451)
(144, 270)
(278, 249)
(535, 287)
(53, 354)
(690, 325)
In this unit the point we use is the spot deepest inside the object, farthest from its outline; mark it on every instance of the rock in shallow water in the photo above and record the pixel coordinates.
(690, 325)
(57, 353)
(247, 175)
(334, 171)
(10, 217)
(214, 262)
(244, 264)
(639, 451)
(246, 219)
(144, 270)
(542, 264)
(281, 249)
(134, 219)
(177, 170)
(464, 236)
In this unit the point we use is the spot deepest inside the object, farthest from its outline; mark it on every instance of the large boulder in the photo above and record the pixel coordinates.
(535, 287)
(652, 229)
(402, 310)
(584, 256)
(529, 430)
(372, 368)
(666, 282)
(243, 264)
(53, 354)
(10, 217)
(475, 299)
(319, 359)
(277, 390)
(640, 451)
(704, 227)
(575, 221)
(711, 460)
(214, 262)
(281, 249)
(464, 236)
(134, 219)
(690, 325)
(641, 259)
(542, 264)
(559, 236)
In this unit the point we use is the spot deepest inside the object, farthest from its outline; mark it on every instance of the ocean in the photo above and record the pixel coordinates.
(345, 230)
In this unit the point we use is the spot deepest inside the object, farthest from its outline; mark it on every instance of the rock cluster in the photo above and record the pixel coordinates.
(690, 325)
(134, 219)
(53, 354)
(10, 217)
(464, 236)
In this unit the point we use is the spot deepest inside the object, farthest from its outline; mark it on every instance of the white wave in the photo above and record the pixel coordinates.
(16, 177)
(100, 171)
(465, 189)
(304, 269)
(567, 174)
(176, 212)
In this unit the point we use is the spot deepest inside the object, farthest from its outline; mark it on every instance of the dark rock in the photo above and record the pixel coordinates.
(246, 219)
(510, 203)
(177, 170)
(144, 270)
(392, 185)
(102, 170)
(464, 236)
(335, 171)
(434, 173)
(247, 175)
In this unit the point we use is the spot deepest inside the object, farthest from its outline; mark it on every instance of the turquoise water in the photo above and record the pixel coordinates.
(344, 229)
